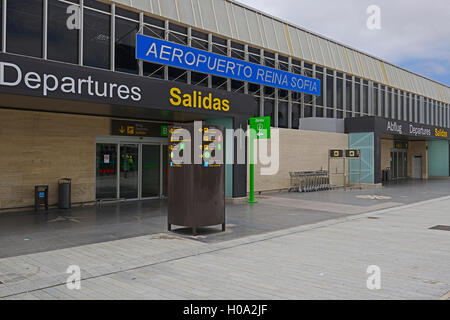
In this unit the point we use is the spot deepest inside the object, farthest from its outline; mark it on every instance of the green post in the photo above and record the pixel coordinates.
(259, 129)
(252, 172)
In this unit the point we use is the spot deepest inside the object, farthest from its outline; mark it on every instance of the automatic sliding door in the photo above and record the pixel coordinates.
(395, 165)
(106, 171)
(129, 161)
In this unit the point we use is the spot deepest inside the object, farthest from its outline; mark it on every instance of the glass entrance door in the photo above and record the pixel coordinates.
(106, 171)
(399, 164)
(129, 162)
(131, 170)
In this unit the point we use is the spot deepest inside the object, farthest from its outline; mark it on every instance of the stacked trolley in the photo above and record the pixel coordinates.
(307, 181)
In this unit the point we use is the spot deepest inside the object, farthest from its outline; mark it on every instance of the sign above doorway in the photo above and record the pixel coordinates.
(138, 128)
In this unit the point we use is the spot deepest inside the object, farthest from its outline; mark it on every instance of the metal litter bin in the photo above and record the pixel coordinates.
(388, 174)
(40, 197)
(64, 193)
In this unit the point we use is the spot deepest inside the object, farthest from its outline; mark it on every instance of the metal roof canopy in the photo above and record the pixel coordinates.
(242, 23)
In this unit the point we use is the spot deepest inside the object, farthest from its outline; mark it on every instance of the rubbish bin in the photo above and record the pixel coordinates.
(388, 174)
(40, 197)
(64, 193)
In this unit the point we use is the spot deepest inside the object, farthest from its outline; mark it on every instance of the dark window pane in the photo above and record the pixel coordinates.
(125, 50)
(220, 41)
(177, 28)
(199, 79)
(237, 86)
(319, 99)
(201, 35)
(330, 113)
(219, 82)
(375, 100)
(400, 107)
(395, 106)
(357, 97)
(348, 95)
(153, 70)
(268, 110)
(127, 14)
(282, 114)
(176, 74)
(62, 42)
(96, 39)
(295, 115)
(97, 5)
(389, 103)
(308, 112)
(154, 21)
(24, 27)
(365, 99)
(330, 91)
(178, 38)
(340, 93)
(319, 112)
(153, 32)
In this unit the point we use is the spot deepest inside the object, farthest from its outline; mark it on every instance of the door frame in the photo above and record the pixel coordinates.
(140, 141)
(414, 167)
(405, 169)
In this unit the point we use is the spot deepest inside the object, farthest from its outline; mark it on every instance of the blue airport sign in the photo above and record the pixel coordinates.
(180, 56)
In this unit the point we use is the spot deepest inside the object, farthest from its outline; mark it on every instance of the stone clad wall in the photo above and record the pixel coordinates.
(38, 148)
(301, 150)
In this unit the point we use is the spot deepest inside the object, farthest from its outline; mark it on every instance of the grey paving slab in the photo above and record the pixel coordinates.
(29, 232)
(324, 260)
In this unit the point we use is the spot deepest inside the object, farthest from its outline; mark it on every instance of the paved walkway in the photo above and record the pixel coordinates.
(29, 232)
(325, 260)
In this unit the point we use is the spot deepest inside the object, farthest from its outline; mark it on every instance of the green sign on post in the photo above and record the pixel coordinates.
(259, 129)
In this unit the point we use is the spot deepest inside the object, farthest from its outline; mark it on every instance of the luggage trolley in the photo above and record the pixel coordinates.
(308, 181)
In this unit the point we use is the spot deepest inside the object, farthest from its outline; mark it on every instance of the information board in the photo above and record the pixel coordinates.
(196, 193)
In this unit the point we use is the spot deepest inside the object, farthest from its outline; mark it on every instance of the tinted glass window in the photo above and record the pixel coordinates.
(348, 95)
(365, 99)
(62, 42)
(96, 39)
(357, 97)
(295, 115)
(282, 114)
(375, 99)
(308, 111)
(340, 95)
(24, 27)
(330, 91)
(319, 99)
(268, 110)
(125, 45)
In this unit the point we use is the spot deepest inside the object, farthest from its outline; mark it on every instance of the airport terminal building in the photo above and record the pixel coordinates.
(89, 88)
